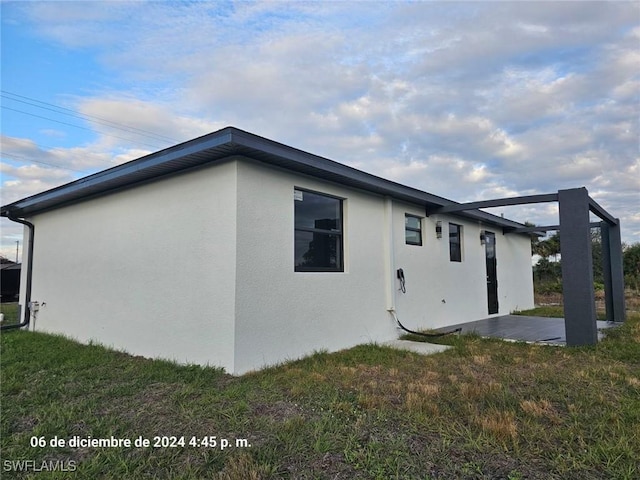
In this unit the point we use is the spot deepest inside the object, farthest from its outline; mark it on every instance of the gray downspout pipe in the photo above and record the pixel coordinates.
(27, 297)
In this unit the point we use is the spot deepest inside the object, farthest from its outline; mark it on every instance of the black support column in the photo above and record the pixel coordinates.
(577, 268)
(606, 270)
(613, 271)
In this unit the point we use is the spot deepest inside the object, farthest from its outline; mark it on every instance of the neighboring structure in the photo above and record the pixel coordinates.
(9, 281)
(236, 251)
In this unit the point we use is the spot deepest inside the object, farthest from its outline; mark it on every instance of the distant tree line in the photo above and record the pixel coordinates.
(547, 272)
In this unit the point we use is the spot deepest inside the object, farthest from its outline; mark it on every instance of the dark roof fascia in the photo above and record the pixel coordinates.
(303, 162)
(327, 169)
(115, 178)
(221, 145)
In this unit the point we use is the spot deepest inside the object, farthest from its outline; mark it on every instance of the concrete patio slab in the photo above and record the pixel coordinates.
(522, 328)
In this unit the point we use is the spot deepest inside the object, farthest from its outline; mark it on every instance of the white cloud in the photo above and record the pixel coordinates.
(75, 159)
(32, 172)
(152, 124)
(466, 100)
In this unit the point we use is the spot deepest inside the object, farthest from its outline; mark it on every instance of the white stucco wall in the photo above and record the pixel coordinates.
(199, 268)
(515, 275)
(282, 314)
(441, 292)
(149, 269)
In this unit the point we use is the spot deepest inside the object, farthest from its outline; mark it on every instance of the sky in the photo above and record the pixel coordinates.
(465, 100)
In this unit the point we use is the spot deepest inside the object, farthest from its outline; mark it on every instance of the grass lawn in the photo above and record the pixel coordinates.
(483, 409)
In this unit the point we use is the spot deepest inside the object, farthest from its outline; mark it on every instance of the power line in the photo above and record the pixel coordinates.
(76, 126)
(91, 118)
(20, 158)
(42, 148)
(33, 102)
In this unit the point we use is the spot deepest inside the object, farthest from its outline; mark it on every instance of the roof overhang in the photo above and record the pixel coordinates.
(218, 147)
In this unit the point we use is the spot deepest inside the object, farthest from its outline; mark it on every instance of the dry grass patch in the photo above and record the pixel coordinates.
(378, 387)
(634, 382)
(429, 389)
(416, 402)
(477, 390)
(541, 409)
(429, 375)
(500, 424)
(635, 331)
(471, 390)
(480, 359)
(243, 467)
(347, 370)
(318, 377)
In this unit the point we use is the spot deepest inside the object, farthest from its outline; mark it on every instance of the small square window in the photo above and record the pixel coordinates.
(455, 242)
(412, 229)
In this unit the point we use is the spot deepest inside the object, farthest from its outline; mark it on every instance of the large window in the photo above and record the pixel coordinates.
(318, 232)
(412, 229)
(455, 242)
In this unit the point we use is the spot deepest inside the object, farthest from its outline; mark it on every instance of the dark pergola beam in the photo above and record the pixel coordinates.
(534, 229)
(499, 202)
(595, 208)
(545, 228)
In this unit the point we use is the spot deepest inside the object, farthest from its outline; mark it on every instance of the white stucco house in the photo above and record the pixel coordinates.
(233, 250)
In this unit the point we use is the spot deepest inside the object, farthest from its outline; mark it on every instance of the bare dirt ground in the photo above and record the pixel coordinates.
(632, 300)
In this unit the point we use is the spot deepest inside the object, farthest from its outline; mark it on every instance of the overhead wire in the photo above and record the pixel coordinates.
(84, 116)
(19, 157)
(76, 126)
(92, 119)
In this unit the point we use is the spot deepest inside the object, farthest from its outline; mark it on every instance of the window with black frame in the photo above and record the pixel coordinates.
(318, 232)
(412, 229)
(455, 242)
